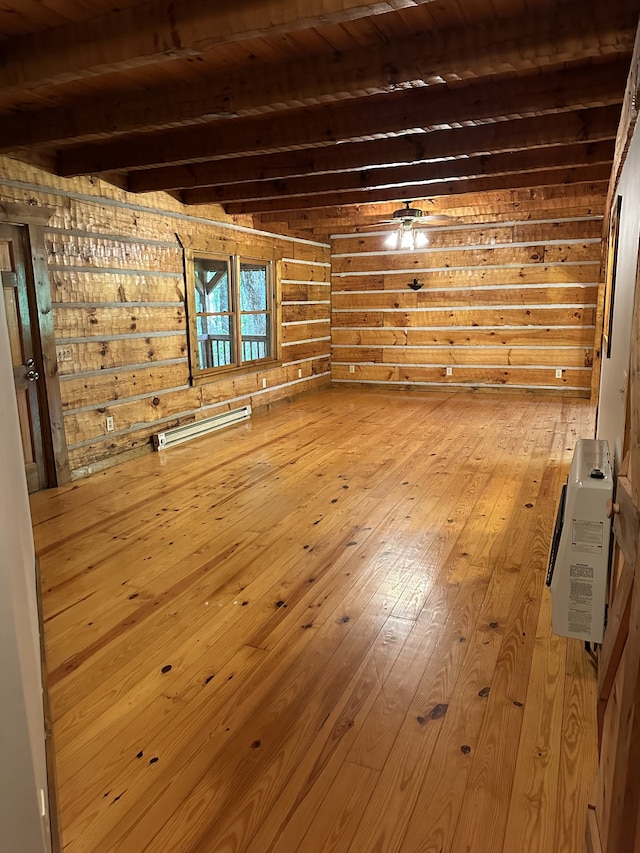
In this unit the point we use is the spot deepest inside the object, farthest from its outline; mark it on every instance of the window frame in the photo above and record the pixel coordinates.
(234, 261)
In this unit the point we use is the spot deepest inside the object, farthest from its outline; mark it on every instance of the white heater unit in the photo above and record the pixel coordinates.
(180, 434)
(579, 557)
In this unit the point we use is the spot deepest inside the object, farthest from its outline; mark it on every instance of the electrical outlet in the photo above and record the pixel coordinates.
(352, 368)
(110, 426)
(449, 371)
(64, 354)
(299, 373)
(264, 383)
(558, 373)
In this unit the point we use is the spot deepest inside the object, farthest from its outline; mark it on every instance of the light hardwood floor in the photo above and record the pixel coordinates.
(324, 630)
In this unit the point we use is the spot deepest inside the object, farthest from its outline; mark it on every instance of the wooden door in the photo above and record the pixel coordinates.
(25, 352)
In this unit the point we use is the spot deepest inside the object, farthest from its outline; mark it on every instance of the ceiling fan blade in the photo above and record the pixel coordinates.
(417, 221)
(378, 224)
(435, 217)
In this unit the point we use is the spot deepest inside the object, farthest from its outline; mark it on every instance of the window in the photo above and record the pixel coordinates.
(231, 313)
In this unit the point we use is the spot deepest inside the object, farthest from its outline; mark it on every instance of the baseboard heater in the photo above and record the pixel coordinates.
(178, 435)
(578, 570)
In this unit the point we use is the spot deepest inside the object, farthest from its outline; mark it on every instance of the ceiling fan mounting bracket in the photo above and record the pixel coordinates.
(408, 213)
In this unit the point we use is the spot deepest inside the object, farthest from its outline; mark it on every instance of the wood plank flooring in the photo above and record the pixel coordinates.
(323, 630)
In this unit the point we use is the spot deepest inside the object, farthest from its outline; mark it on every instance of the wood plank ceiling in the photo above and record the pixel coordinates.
(272, 107)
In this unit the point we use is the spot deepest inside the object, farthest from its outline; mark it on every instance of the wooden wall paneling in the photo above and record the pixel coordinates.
(486, 375)
(88, 424)
(502, 304)
(585, 251)
(480, 296)
(626, 129)
(305, 331)
(538, 274)
(561, 315)
(294, 291)
(295, 270)
(76, 320)
(307, 311)
(505, 337)
(95, 287)
(297, 351)
(518, 356)
(117, 308)
(86, 207)
(96, 387)
(85, 355)
(580, 228)
(66, 250)
(583, 198)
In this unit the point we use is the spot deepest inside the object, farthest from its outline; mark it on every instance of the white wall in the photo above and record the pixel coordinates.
(22, 751)
(613, 379)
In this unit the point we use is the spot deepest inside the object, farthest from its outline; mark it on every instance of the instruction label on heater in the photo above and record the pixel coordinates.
(581, 579)
(579, 621)
(587, 536)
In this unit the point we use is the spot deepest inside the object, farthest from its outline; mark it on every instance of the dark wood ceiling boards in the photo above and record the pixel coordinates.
(269, 106)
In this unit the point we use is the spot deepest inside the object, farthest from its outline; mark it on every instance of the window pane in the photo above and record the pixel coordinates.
(215, 342)
(253, 287)
(212, 284)
(256, 336)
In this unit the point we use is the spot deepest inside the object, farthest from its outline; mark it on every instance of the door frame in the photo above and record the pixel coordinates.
(34, 220)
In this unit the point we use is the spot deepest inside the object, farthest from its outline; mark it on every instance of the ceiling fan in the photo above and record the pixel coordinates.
(406, 235)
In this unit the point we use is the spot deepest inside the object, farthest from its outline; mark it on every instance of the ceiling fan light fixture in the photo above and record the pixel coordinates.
(420, 240)
(393, 240)
(407, 238)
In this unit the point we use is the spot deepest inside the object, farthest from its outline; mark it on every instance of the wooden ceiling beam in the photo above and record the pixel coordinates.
(512, 45)
(369, 213)
(429, 108)
(161, 30)
(582, 154)
(516, 180)
(518, 200)
(582, 126)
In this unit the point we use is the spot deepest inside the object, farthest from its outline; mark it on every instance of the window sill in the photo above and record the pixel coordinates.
(221, 373)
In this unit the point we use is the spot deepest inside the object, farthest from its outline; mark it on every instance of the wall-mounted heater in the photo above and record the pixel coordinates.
(579, 557)
(180, 434)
